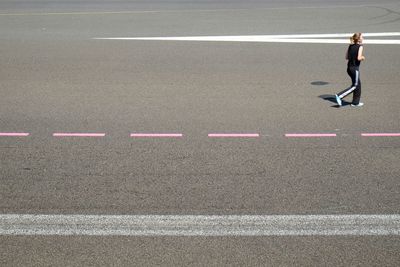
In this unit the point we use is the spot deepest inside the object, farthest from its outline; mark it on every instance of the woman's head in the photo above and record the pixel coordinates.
(357, 38)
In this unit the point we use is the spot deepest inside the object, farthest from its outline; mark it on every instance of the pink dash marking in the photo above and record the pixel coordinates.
(156, 135)
(14, 134)
(311, 135)
(79, 134)
(233, 135)
(379, 134)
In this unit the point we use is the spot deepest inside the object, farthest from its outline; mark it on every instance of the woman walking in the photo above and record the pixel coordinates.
(354, 57)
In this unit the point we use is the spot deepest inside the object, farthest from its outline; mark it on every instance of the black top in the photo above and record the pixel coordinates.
(352, 54)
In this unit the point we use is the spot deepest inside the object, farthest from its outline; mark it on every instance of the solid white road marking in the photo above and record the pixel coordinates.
(200, 225)
(233, 135)
(295, 38)
(380, 134)
(311, 135)
(79, 134)
(14, 134)
(80, 13)
(156, 135)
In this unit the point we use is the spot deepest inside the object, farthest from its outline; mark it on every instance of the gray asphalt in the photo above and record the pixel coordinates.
(56, 78)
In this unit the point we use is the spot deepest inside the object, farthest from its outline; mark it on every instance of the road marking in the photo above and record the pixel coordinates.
(256, 37)
(200, 225)
(156, 135)
(79, 134)
(80, 13)
(294, 38)
(379, 134)
(227, 135)
(233, 135)
(14, 134)
(311, 135)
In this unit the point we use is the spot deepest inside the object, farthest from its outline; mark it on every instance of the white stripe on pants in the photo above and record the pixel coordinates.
(352, 88)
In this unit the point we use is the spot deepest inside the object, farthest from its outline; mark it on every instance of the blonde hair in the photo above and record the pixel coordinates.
(355, 39)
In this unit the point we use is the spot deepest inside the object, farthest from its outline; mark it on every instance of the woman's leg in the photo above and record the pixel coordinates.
(354, 75)
(357, 92)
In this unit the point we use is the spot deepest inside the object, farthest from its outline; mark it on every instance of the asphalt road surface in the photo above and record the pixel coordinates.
(57, 79)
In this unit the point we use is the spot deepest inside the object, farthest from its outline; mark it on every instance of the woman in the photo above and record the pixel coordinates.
(354, 56)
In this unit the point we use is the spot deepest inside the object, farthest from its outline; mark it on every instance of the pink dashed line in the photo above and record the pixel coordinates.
(156, 135)
(233, 135)
(14, 134)
(221, 135)
(311, 135)
(379, 134)
(79, 134)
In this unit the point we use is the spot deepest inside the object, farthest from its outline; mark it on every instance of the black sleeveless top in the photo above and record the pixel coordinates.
(352, 54)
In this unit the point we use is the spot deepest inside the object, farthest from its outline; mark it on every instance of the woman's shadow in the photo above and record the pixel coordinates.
(330, 98)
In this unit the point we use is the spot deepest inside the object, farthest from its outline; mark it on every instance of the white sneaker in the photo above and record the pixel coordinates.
(338, 100)
(359, 105)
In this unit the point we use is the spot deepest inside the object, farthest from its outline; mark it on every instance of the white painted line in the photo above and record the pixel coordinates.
(200, 225)
(329, 41)
(79, 134)
(380, 134)
(229, 135)
(334, 35)
(311, 135)
(294, 38)
(156, 135)
(80, 13)
(14, 134)
(258, 37)
(260, 40)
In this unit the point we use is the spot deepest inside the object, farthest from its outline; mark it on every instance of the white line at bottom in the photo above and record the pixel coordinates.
(311, 135)
(233, 135)
(291, 38)
(79, 134)
(14, 134)
(156, 135)
(380, 134)
(200, 225)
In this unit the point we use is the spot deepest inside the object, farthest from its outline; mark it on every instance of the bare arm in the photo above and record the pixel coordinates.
(360, 56)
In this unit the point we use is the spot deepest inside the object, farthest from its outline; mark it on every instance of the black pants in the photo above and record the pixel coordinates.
(354, 73)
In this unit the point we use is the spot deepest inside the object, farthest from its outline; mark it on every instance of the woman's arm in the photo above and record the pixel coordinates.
(360, 56)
